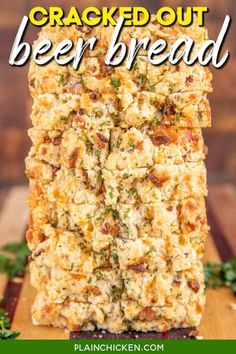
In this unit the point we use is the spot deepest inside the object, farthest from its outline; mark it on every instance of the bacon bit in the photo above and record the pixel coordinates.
(139, 145)
(30, 258)
(154, 180)
(96, 291)
(189, 79)
(137, 268)
(73, 158)
(48, 308)
(201, 219)
(102, 138)
(170, 208)
(115, 230)
(193, 333)
(94, 96)
(106, 229)
(193, 96)
(75, 328)
(165, 334)
(160, 140)
(147, 315)
(46, 139)
(205, 150)
(57, 140)
(194, 285)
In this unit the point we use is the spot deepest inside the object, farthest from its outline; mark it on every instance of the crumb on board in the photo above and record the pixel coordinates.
(232, 306)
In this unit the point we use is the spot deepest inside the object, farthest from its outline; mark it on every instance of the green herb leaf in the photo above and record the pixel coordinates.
(13, 258)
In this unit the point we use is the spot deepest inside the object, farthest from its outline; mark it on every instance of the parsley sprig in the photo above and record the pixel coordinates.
(13, 259)
(221, 274)
(5, 333)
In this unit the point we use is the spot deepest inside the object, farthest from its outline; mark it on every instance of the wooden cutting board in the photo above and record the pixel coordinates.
(219, 320)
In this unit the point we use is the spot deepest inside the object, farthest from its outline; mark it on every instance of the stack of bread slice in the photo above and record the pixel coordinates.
(117, 186)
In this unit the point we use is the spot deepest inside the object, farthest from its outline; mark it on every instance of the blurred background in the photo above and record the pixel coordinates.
(15, 103)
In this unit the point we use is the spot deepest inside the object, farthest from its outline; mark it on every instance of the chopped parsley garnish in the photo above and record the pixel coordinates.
(13, 258)
(199, 117)
(179, 115)
(114, 257)
(116, 292)
(116, 118)
(126, 175)
(62, 79)
(115, 82)
(143, 79)
(152, 88)
(132, 145)
(114, 212)
(89, 146)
